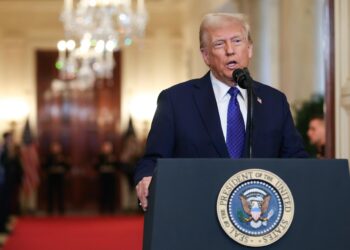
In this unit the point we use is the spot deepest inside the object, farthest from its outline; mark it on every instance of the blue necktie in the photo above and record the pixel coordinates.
(235, 126)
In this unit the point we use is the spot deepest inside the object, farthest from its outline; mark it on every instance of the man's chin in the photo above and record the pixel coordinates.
(228, 81)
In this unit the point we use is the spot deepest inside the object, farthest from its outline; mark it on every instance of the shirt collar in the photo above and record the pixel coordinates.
(221, 89)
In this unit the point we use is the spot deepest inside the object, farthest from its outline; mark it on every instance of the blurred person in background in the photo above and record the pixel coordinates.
(106, 166)
(56, 167)
(2, 212)
(317, 134)
(131, 152)
(31, 165)
(10, 161)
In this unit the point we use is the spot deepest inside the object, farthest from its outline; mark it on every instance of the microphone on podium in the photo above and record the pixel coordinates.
(242, 78)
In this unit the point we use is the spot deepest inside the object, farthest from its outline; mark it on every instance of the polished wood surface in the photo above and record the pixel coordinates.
(329, 38)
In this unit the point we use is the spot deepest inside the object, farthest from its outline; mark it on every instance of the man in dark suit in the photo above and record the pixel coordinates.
(194, 119)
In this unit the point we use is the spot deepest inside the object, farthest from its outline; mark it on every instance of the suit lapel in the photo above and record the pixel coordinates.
(206, 104)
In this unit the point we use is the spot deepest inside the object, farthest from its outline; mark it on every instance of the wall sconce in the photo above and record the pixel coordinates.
(13, 109)
(142, 107)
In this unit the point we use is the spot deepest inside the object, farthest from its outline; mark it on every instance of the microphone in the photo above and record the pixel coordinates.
(242, 78)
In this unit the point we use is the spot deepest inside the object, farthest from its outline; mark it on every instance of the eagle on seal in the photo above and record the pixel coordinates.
(255, 208)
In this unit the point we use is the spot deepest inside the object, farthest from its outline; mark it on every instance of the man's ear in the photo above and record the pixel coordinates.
(250, 50)
(205, 55)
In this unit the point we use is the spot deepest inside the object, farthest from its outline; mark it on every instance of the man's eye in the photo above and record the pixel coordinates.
(237, 41)
(218, 44)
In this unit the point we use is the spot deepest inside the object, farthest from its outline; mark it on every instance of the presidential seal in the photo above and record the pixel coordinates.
(255, 207)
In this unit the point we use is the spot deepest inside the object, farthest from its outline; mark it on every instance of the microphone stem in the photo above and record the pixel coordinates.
(250, 120)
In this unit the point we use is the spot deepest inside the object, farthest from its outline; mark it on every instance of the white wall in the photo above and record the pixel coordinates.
(24, 27)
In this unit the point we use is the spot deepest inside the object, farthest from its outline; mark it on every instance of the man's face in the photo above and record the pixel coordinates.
(107, 148)
(226, 48)
(316, 132)
(56, 148)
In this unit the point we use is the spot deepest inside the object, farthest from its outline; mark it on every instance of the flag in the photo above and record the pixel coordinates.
(30, 161)
(130, 131)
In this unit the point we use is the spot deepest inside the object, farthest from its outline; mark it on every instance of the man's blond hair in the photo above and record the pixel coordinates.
(214, 20)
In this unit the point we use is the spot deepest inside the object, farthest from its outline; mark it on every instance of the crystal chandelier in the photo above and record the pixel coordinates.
(94, 29)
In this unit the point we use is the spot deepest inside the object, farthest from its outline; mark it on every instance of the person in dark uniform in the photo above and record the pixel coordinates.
(12, 171)
(106, 166)
(56, 166)
(2, 200)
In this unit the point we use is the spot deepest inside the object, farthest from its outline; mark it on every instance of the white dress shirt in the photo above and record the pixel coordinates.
(222, 98)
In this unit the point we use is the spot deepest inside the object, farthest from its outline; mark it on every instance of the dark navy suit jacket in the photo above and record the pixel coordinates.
(187, 125)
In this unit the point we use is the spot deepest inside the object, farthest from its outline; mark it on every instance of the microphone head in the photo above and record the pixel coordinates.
(242, 78)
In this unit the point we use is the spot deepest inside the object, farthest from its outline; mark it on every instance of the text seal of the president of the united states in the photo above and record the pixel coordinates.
(255, 207)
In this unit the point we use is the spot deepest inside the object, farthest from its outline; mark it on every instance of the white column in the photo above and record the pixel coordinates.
(342, 78)
(269, 33)
(264, 20)
(299, 43)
